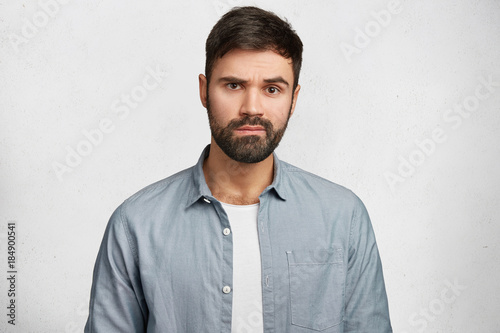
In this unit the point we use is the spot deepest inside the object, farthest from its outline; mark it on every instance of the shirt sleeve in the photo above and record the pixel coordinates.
(116, 302)
(366, 307)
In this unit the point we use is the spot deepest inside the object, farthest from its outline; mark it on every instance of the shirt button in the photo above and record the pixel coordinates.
(206, 200)
(226, 289)
(226, 231)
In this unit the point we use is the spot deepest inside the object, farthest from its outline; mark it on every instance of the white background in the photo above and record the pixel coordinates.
(358, 116)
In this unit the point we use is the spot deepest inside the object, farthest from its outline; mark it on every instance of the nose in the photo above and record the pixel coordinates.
(251, 105)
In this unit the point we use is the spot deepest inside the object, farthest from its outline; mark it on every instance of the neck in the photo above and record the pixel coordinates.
(235, 182)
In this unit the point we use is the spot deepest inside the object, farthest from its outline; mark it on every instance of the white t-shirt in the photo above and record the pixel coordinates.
(247, 273)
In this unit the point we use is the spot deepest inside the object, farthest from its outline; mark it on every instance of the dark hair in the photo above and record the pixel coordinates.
(252, 28)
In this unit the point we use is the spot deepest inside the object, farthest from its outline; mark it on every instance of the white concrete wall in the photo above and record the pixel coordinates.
(370, 93)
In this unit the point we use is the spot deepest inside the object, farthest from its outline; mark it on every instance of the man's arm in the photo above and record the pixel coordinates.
(366, 300)
(116, 302)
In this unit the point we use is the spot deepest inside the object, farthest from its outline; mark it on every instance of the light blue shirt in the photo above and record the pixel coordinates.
(166, 259)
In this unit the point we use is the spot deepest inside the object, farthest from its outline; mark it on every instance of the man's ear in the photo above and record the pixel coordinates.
(203, 89)
(294, 100)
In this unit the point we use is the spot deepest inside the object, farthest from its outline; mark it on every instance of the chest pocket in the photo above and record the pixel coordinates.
(316, 287)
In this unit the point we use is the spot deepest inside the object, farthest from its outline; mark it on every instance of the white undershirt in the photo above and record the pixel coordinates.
(247, 277)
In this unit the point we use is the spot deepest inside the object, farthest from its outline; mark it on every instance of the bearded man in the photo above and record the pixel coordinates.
(242, 242)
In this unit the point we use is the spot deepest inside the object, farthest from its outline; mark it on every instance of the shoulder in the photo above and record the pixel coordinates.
(166, 192)
(312, 186)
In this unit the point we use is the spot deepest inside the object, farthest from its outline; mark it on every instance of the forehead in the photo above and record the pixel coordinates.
(251, 63)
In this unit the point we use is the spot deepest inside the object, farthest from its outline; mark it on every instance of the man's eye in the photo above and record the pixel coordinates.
(273, 90)
(233, 86)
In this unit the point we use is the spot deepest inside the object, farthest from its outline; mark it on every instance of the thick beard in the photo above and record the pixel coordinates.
(249, 148)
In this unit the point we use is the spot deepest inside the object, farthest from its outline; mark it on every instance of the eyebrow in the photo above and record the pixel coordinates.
(234, 79)
(276, 80)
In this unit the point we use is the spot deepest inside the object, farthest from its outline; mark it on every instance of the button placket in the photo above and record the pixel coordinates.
(227, 264)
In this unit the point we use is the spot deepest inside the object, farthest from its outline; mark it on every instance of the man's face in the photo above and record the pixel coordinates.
(249, 101)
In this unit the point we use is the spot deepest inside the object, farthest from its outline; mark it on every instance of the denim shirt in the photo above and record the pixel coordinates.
(166, 260)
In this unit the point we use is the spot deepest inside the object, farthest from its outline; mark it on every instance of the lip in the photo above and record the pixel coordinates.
(250, 130)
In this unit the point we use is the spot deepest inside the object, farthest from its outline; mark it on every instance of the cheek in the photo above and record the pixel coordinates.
(278, 109)
(220, 107)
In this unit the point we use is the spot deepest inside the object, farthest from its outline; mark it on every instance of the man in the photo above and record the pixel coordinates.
(242, 242)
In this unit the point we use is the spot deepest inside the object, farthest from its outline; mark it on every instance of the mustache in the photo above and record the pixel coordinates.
(252, 121)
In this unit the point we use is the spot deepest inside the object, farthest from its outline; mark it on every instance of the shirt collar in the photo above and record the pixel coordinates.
(200, 188)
